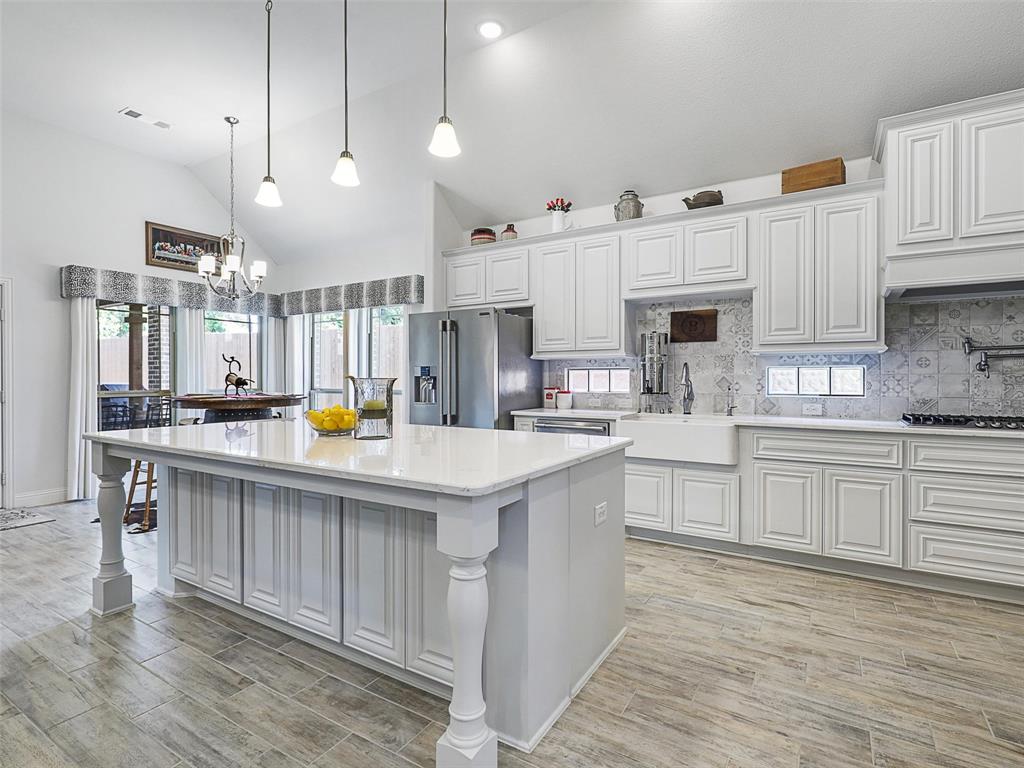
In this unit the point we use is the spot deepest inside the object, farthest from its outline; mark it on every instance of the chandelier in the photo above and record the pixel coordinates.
(232, 282)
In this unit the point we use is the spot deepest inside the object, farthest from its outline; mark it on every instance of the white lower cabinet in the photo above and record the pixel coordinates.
(375, 579)
(864, 516)
(315, 563)
(428, 643)
(183, 522)
(649, 496)
(706, 504)
(265, 535)
(971, 554)
(221, 571)
(787, 506)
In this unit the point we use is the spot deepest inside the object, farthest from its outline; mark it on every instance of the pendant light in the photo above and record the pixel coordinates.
(444, 143)
(345, 171)
(268, 194)
(232, 283)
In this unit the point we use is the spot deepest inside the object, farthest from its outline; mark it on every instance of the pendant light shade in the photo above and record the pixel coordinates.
(345, 169)
(444, 143)
(267, 195)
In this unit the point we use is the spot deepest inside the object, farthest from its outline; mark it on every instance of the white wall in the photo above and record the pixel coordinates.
(68, 199)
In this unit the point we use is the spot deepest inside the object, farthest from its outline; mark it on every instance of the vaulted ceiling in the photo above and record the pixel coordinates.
(579, 99)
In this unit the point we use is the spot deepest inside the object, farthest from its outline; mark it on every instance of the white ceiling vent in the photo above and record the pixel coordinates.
(136, 115)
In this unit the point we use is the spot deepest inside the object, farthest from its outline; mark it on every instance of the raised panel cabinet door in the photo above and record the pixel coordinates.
(464, 280)
(864, 516)
(846, 267)
(428, 647)
(787, 507)
(785, 293)
(924, 184)
(992, 173)
(508, 276)
(374, 580)
(554, 294)
(221, 537)
(314, 583)
(184, 521)
(706, 504)
(598, 301)
(654, 258)
(715, 251)
(265, 548)
(649, 497)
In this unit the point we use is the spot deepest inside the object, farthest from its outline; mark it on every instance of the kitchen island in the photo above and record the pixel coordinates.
(483, 560)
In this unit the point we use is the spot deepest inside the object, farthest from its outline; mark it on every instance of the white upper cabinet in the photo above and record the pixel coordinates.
(846, 271)
(785, 299)
(508, 276)
(992, 173)
(925, 183)
(715, 251)
(598, 301)
(654, 258)
(554, 313)
(954, 188)
(464, 280)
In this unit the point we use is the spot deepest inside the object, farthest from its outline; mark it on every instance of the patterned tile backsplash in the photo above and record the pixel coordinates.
(924, 368)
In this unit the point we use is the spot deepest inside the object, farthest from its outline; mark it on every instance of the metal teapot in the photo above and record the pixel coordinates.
(629, 206)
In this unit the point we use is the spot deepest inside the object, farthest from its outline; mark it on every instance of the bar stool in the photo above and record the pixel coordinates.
(158, 414)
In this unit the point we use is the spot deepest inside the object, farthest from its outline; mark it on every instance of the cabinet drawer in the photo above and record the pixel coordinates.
(997, 504)
(997, 557)
(822, 449)
(971, 457)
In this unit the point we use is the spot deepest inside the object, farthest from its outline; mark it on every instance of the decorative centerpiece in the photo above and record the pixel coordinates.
(334, 420)
(558, 208)
(629, 206)
(509, 233)
(481, 236)
(374, 407)
(704, 199)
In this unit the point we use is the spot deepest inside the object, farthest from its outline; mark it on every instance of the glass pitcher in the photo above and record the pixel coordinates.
(374, 401)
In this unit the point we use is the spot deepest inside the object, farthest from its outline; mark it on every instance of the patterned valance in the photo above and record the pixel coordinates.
(130, 288)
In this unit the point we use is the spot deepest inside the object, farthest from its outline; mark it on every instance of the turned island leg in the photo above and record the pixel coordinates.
(467, 531)
(112, 586)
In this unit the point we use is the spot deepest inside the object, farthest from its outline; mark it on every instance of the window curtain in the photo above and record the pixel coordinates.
(190, 376)
(296, 353)
(273, 353)
(83, 380)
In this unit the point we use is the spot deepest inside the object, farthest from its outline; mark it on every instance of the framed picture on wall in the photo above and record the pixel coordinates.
(177, 248)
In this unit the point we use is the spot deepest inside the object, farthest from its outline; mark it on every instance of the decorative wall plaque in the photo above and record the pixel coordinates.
(695, 325)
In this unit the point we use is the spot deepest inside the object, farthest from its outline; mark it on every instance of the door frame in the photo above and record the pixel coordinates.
(6, 390)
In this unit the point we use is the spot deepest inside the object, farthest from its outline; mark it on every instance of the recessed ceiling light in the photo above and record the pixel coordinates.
(490, 30)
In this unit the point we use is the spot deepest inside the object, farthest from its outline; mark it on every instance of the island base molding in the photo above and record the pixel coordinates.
(505, 602)
(987, 591)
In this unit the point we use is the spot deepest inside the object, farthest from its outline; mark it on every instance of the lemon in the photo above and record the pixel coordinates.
(330, 423)
(315, 418)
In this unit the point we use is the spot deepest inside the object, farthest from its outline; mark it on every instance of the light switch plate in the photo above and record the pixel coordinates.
(811, 409)
(600, 513)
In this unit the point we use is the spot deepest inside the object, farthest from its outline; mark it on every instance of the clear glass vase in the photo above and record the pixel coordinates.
(374, 401)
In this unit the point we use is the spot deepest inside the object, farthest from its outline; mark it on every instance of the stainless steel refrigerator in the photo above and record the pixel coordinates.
(471, 368)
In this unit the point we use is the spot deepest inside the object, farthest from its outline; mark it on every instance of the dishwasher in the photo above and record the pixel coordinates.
(567, 427)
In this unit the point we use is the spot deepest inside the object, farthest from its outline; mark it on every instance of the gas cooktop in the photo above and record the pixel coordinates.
(949, 420)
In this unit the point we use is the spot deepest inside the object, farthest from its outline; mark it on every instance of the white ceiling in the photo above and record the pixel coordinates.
(75, 64)
(589, 99)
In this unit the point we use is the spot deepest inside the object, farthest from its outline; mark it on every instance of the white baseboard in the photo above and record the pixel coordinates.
(598, 662)
(40, 498)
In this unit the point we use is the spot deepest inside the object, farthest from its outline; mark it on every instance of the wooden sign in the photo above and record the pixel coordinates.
(695, 325)
(825, 173)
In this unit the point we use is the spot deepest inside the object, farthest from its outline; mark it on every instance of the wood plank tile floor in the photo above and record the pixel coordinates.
(728, 663)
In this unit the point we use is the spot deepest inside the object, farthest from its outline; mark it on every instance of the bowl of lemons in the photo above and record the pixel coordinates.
(334, 420)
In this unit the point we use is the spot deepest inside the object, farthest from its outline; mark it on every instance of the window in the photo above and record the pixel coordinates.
(815, 381)
(357, 342)
(135, 353)
(597, 380)
(229, 334)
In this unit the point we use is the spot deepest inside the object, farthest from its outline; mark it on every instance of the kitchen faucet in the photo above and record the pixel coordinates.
(688, 396)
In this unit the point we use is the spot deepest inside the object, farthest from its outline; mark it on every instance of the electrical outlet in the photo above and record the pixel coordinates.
(600, 513)
(811, 409)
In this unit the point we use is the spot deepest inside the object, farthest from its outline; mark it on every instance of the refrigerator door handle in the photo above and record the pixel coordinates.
(453, 372)
(442, 332)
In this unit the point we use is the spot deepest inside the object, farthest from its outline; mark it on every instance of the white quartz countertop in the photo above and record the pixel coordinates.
(573, 413)
(783, 422)
(452, 460)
